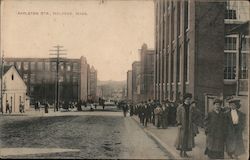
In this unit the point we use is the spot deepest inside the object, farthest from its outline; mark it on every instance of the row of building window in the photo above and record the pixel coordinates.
(45, 66)
(170, 14)
(231, 43)
(40, 79)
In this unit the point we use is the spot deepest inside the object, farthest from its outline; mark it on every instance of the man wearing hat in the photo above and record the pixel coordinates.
(215, 130)
(235, 126)
(185, 139)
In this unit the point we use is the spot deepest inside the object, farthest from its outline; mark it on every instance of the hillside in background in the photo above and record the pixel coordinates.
(112, 83)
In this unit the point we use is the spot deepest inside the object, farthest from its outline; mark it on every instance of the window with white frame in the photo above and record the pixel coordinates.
(244, 58)
(230, 11)
(230, 14)
(230, 43)
(229, 65)
(243, 65)
(230, 52)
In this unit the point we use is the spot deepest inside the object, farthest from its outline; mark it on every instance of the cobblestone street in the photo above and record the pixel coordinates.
(71, 135)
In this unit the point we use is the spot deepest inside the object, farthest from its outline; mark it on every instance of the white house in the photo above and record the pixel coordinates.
(14, 89)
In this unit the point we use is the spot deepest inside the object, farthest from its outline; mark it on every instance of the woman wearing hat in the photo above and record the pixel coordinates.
(215, 132)
(235, 126)
(185, 139)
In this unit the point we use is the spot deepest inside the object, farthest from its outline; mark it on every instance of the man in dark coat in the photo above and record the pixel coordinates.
(185, 140)
(125, 109)
(215, 130)
(147, 114)
(131, 109)
(172, 114)
(8, 107)
(235, 125)
(196, 117)
(164, 118)
(46, 107)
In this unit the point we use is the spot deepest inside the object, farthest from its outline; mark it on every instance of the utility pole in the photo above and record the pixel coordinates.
(57, 52)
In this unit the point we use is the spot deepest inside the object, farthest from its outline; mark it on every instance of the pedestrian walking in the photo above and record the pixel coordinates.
(185, 140)
(103, 104)
(215, 130)
(152, 110)
(164, 117)
(195, 118)
(146, 114)
(46, 107)
(21, 107)
(158, 114)
(235, 126)
(125, 109)
(172, 114)
(140, 112)
(7, 107)
(131, 110)
(79, 106)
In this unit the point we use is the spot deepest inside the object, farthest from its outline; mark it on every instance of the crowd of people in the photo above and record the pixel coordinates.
(223, 126)
(70, 105)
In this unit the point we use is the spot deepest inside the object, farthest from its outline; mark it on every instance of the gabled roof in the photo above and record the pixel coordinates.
(5, 69)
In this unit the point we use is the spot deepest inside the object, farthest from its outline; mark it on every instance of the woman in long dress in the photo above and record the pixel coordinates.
(235, 126)
(215, 126)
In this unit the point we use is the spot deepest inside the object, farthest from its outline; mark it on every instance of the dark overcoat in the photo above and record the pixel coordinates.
(185, 138)
(234, 138)
(215, 126)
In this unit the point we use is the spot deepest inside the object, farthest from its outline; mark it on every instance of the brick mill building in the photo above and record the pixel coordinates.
(195, 52)
(39, 74)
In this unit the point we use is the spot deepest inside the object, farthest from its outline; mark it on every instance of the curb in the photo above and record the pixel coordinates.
(172, 153)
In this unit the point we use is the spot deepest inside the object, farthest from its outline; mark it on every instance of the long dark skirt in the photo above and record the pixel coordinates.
(214, 154)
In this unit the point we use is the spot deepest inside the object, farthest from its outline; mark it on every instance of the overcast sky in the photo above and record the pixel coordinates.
(108, 35)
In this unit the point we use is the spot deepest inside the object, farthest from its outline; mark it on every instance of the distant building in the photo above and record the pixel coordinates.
(92, 80)
(129, 86)
(14, 90)
(39, 74)
(146, 73)
(136, 81)
(112, 90)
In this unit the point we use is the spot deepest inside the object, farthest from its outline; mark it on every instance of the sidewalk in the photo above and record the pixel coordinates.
(166, 138)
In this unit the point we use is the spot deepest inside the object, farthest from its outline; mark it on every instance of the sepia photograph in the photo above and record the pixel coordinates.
(124, 79)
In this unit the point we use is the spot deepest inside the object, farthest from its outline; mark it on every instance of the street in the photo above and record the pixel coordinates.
(76, 135)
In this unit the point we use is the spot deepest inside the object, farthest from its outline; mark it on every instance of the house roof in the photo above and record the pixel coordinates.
(5, 69)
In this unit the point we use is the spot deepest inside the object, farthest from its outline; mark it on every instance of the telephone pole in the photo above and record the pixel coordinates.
(57, 52)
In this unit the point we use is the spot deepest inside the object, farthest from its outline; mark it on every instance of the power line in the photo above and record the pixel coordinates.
(58, 52)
